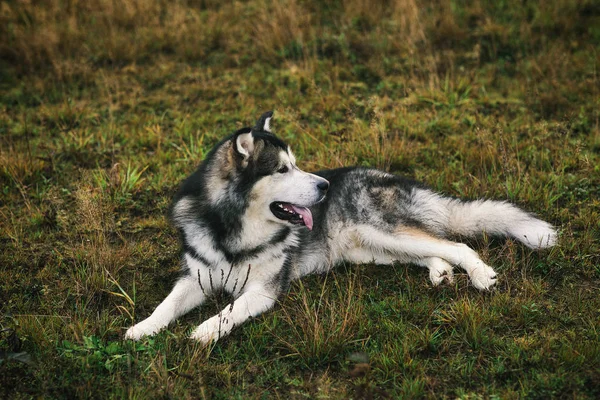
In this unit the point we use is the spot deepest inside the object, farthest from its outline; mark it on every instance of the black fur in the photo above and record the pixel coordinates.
(260, 124)
(283, 278)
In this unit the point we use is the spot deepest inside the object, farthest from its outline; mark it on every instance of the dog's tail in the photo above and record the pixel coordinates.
(471, 218)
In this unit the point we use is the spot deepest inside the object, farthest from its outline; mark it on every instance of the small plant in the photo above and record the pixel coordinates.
(119, 183)
(112, 356)
(191, 147)
(130, 179)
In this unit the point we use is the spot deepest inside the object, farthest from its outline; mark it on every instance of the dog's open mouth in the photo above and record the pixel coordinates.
(294, 214)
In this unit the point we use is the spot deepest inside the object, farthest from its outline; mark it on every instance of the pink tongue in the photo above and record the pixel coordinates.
(306, 215)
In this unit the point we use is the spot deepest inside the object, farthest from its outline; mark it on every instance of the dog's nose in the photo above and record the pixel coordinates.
(324, 185)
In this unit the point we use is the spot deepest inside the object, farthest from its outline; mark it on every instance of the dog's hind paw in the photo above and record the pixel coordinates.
(483, 277)
(439, 271)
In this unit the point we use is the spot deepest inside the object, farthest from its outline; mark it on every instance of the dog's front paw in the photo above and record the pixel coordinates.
(140, 330)
(483, 277)
(208, 331)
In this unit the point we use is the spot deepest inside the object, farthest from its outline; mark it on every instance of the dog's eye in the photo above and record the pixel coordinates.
(283, 169)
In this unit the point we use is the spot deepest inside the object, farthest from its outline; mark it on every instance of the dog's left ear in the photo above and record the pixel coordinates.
(263, 123)
(244, 143)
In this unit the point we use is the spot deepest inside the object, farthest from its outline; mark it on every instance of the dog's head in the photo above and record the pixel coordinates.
(264, 170)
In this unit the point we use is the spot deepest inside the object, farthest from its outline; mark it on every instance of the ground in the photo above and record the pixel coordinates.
(105, 106)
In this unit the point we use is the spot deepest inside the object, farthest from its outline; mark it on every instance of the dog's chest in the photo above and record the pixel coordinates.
(238, 265)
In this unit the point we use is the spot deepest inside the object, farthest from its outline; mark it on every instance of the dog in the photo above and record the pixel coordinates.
(251, 222)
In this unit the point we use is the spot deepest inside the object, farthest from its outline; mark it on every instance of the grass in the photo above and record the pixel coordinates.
(105, 106)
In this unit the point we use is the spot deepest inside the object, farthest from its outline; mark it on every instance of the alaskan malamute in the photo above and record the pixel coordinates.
(251, 222)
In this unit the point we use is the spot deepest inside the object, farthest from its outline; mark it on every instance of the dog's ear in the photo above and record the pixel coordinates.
(263, 123)
(244, 143)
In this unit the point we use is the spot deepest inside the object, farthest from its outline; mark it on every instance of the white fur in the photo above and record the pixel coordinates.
(294, 186)
(253, 302)
(252, 299)
(198, 236)
(267, 127)
(184, 297)
(534, 233)
(291, 156)
(245, 144)
(365, 243)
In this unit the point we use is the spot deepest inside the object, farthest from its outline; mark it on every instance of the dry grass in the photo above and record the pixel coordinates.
(323, 322)
(121, 32)
(112, 32)
(96, 258)
(283, 26)
(106, 105)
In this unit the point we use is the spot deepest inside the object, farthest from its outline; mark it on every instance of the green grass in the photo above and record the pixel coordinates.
(105, 106)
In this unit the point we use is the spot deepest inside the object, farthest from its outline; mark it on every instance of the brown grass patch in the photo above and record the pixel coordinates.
(323, 322)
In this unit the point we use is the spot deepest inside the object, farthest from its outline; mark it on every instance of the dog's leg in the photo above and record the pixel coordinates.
(254, 301)
(185, 296)
(413, 245)
(439, 269)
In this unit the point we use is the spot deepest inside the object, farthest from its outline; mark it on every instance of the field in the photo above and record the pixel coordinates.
(106, 105)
